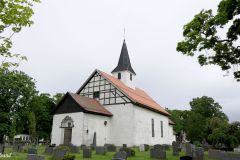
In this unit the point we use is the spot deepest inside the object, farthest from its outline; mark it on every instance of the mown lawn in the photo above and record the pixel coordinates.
(108, 156)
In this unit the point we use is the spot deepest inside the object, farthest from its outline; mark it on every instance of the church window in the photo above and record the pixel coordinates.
(119, 75)
(161, 128)
(130, 76)
(96, 94)
(153, 134)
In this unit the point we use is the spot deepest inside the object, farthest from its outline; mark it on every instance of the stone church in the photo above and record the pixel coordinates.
(111, 110)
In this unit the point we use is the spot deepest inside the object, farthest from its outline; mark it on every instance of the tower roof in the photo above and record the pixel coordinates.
(124, 61)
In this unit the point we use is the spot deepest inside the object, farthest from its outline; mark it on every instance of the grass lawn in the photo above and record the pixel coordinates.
(108, 156)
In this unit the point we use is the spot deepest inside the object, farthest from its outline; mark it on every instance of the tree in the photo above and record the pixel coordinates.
(207, 107)
(14, 15)
(202, 36)
(42, 106)
(16, 91)
(32, 126)
(57, 97)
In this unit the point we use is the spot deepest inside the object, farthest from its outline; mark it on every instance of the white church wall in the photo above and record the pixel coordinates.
(122, 125)
(95, 123)
(125, 78)
(143, 127)
(58, 133)
(172, 136)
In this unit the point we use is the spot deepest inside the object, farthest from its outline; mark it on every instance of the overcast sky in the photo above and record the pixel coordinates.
(72, 38)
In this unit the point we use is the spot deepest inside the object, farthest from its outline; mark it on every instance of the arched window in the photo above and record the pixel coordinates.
(67, 122)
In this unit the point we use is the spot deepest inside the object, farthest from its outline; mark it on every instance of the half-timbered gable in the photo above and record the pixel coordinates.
(98, 87)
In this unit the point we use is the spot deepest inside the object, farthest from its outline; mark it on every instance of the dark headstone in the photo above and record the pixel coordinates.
(111, 147)
(35, 157)
(121, 155)
(230, 156)
(2, 148)
(215, 154)
(147, 147)
(87, 153)
(127, 150)
(49, 150)
(166, 147)
(124, 145)
(101, 150)
(83, 146)
(74, 149)
(32, 151)
(186, 158)
(59, 154)
(198, 154)
(17, 147)
(157, 146)
(175, 149)
(94, 144)
(158, 154)
(188, 149)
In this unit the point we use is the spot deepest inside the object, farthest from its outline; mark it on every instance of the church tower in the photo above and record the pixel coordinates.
(124, 70)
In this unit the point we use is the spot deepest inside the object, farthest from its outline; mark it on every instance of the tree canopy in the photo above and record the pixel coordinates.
(203, 37)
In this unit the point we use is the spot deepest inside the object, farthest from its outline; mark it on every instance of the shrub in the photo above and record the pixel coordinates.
(69, 157)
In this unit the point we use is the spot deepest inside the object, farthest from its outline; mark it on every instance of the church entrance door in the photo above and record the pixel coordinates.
(67, 136)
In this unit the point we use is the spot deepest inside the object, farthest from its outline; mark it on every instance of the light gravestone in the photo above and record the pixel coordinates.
(175, 150)
(87, 153)
(198, 154)
(141, 147)
(237, 150)
(101, 150)
(121, 155)
(158, 154)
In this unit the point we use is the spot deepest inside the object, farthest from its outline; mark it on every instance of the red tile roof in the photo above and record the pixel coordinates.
(136, 95)
(90, 105)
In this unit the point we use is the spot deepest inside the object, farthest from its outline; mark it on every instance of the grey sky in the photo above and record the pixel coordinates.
(71, 38)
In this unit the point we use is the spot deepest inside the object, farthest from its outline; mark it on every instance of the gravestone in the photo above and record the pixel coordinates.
(74, 149)
(94, 144)
(87, 153)
(111, 148)
(49, 150)
(141, 147)
(186, 158)
(59, 154)
(32, 151)
(175, 149)
(125, 145)
(237, 150)
(157, 146)
(127, 150)
(17, 147)
(121, 155)
(2, 148)
(230, 156)
(188, 149)
(35, 157)
(83, 146)
(166, 147)
(146, 147)
(198, 154)
(101, 150)
(215, 154)
(158, 154)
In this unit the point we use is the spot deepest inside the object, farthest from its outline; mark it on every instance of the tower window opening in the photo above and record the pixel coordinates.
(130, 76)
(119, 75)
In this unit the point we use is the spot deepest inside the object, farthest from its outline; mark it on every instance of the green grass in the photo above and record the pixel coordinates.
(108, 156)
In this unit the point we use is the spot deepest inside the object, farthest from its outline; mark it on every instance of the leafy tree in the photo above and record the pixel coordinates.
(57, 97)
(207, 107)
(42, 106)
(16, 91)
(202, 36)
(14, 15)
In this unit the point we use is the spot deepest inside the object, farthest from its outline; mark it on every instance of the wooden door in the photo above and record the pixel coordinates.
(67, 136)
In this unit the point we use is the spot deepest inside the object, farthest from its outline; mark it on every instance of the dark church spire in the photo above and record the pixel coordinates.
(124, 61)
